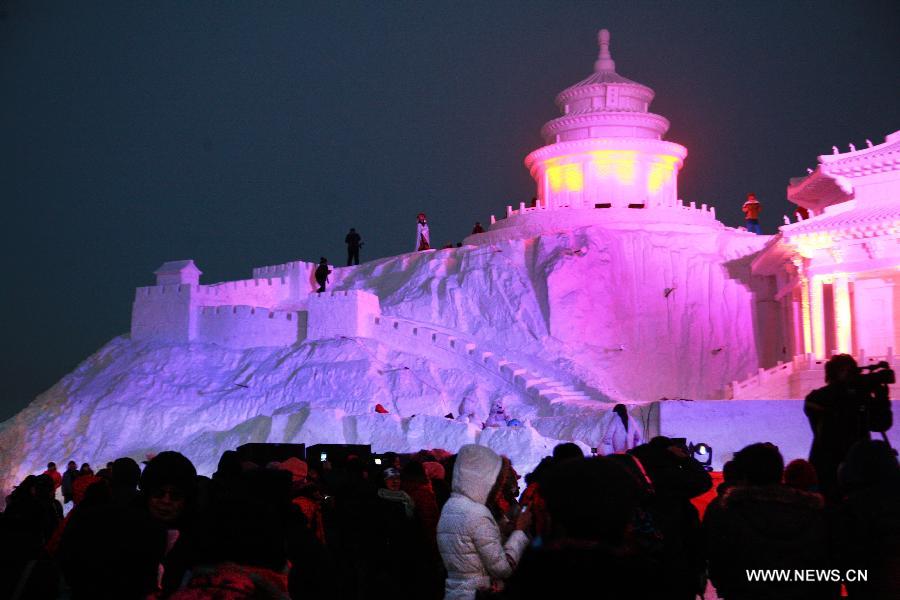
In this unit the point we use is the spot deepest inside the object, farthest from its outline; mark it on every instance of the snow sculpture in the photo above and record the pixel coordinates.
(607, 149)
(536, 327)
(497, 417)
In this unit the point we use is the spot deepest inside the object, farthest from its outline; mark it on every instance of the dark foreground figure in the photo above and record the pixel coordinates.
(433, 525)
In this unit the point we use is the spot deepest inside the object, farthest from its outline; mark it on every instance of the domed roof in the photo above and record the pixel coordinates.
(604, 74)
(605, 104)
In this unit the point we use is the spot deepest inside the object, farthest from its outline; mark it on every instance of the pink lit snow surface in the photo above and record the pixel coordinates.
(588, 309)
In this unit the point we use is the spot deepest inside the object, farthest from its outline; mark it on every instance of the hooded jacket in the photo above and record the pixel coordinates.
(467, 535)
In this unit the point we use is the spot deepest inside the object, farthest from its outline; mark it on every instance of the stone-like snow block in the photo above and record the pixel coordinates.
(322, 426)
(587, 429)
(425, 431)
(206, 448)
(384, 432)
(348, 313)
(425, 404)
(524, 446)
(729, 425)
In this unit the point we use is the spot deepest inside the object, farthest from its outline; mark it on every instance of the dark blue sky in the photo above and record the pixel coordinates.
(253, 133)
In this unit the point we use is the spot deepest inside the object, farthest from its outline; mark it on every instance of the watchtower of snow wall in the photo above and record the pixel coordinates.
(345, 313)
(164, 313)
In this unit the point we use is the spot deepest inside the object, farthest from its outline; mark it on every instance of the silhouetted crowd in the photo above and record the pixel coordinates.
(433, 525)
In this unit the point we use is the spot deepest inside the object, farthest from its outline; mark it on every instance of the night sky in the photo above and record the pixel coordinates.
(252, 133)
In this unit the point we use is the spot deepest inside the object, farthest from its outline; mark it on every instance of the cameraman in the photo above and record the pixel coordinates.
(843, 412)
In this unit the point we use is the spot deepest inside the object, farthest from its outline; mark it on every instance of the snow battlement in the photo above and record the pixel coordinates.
(158, 290)
(345, 313)
(285, 269)
(249, 326)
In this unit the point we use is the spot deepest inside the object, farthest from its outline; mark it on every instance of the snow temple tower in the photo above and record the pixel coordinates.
(607, 149)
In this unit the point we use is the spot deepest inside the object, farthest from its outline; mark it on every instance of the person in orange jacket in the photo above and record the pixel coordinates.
(751, 210)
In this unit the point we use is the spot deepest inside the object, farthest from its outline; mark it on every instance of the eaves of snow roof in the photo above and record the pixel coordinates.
(176, 266)
(880, 157)
(881, 216)
(819, 186)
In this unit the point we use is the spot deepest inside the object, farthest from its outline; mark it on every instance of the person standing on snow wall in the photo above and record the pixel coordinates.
(751, 210)
(423, 237)
(354, 243)
(322, 273)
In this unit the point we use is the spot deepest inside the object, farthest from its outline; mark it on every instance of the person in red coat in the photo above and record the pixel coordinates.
(54, 475)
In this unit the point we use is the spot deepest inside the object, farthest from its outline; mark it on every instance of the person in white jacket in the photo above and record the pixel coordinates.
(623, 432)
(468, 537)
(423, 236)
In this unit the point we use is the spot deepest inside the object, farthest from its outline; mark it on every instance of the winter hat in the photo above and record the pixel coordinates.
(800, 474)
(125, 473)
(434, 470)
(296, 467)
(381, 410)
(170, 468)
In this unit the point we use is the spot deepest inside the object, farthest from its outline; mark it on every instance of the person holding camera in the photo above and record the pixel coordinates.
(468, 537)
(845, 411)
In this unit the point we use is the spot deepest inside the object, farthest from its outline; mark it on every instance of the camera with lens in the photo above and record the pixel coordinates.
(872, 382)
(875, 381)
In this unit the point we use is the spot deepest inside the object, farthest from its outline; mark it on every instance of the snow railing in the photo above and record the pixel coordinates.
(801, 362)
(531, 382)
(704, 210)
(283, 269)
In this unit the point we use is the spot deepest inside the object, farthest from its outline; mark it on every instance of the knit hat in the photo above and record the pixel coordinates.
(169, 468)
(296, 467)
(434, 470)
(800, 474)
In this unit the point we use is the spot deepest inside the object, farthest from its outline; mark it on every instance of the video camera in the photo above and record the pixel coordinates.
(879, 374)
(872, 382)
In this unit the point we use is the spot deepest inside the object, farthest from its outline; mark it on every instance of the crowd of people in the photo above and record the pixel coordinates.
(434, 525)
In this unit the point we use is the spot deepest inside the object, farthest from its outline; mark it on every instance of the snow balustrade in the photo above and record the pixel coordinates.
(794, 379)
(704, 211)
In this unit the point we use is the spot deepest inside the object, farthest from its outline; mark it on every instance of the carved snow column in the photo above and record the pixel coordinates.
(842, 316)
(817, 315)
(806, 317)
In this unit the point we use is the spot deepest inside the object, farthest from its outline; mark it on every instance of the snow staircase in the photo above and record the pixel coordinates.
(546, 390)
(794, 379)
